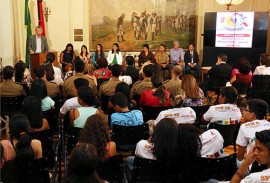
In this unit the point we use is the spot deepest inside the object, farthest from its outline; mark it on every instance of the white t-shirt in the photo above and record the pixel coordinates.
(57, 71)
(258, 177)
(38, 41)
(212, 142)
(126, 79)
(143, 151)
(70, 104)
(222, 112)
(58, 80)
(181, 115)
(246, 134)
(260, 70)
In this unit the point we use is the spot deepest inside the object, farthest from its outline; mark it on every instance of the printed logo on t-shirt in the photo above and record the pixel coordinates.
(265, 178)
(255, 124)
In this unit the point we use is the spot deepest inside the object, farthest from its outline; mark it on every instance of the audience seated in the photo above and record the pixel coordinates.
(31, 108)
(242, 74)
(82, 165)
(50, 76)
(123, 116)
(125, 78)
(158, 96)
(87, 99)
(73, 103)
(130, 69)
(102, 72)
(227, 109)
(175, 82)
(191, 59)
(8, 87)
(20, 146)
(262, 69)
(260, 153)
(96, 132)
(89, 72)
(68, 87)
(57, 71)
(178, 113)
(108, 88)
(39, 90)
(22, 74)
(140, 86)
(254, 114)
(194, 94)
(52, 88)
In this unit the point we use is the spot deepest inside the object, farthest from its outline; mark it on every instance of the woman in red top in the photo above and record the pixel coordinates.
(244, 75)
(103, 72)
(158, 96)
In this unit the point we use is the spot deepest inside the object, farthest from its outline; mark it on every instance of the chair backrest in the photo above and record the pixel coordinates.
(104, 100)
(263, 95)
(200, 110)
(152, 112)
(228, 132)
(129, 135)
(222, 168)
(261, 82)
(111, 169)
(73, 137)
(11, 105)
(147, 170)
(36, 171)
(242, 88)
(52, 117)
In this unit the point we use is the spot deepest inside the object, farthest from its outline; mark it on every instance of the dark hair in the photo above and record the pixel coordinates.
(267, 61)
(223, 57)
(69, 45)
(79, 65)
(164, 46)
(102, 62)
(118, 49)
(87, 95)
(146, 46)
(189, 152)
(123, 88)
(39, 71)
(8, 72)
(79, 82)
(82, 164)
(264, 138)
(244, 66)
(230, 93)
(119, 99)
(32, 109)
(83, 46)
(258, 107)
(116, 70)
(177, 95)
(148, 70)
(263, 58)
(50, 57)
(160, 89)
(130, 60)
(47, 66)
(19, 127)
(39, 89)
(19, 71)
(96, 132)
(101, 52)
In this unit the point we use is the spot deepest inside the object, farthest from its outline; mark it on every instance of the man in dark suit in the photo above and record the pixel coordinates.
(37, 43)
(130, 69)
(191, 59)
(219, 74)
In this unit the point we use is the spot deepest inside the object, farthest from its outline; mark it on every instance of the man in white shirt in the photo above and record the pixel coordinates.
(37, 43)
(260, 153)
(255, 112)
(57, 71)
(261, 69)
(73, 102)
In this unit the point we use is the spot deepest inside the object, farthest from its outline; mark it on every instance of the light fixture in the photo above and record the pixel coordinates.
(229, 3)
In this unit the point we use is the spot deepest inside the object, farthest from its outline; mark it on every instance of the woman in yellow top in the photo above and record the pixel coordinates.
(162, 60)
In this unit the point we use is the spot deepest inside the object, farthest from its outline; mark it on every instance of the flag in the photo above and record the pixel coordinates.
(40, 17)
(27, 23)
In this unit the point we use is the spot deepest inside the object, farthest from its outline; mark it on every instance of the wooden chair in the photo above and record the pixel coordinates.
(152, 112)
(72, 137)
(228, 132)
(52, 117)
(11, 105)
(112, 170)
(222, 168)
(129, 135)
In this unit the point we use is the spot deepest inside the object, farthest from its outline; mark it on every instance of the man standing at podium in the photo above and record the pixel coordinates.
(37, 43)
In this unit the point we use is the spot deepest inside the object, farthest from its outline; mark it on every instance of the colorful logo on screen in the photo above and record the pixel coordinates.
(234, 22)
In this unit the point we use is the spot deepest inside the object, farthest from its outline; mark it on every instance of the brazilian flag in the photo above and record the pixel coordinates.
(27, 23)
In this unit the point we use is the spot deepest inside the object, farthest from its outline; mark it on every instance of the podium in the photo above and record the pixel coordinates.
(38, 59)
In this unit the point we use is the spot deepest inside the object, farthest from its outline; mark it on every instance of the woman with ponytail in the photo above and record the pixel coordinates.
(20, 146)
(158, 96)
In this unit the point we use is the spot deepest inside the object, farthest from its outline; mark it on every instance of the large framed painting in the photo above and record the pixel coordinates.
(132, 23)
